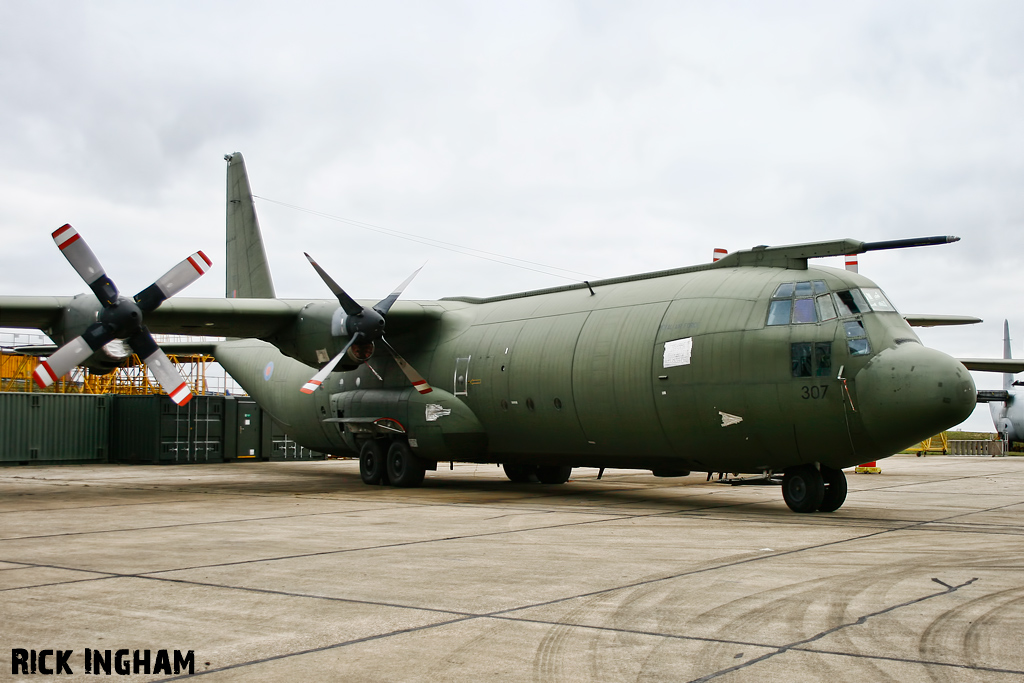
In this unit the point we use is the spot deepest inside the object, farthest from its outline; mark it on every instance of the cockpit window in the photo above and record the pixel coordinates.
(826, 307)
(803, 311)
(856, 338)
(784, 291)
(851, 302)
(794, 302)
(778, 313)
(877, 300)
(810, 302)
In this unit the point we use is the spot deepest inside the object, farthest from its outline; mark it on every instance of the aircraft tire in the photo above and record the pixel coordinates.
(554, 474)
(405, 470)
(835, 489)
(803, 488)
(372, 463)
(520, 474)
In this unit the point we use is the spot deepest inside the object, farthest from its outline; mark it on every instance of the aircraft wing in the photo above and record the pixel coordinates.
(919, 320)
(224, 317)
(32, 312)
(1013, 365)
(244, 318)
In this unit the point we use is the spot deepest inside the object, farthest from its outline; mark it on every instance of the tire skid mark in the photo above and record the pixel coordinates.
(857, 622)
(960, 633)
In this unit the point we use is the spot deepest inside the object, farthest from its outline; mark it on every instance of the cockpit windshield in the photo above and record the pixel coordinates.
(795, 303)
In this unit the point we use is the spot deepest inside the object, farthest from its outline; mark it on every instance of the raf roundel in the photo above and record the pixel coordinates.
(268, 371)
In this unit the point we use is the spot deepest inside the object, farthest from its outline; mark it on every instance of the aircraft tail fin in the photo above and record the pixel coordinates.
(248, 273)
(1007, 377)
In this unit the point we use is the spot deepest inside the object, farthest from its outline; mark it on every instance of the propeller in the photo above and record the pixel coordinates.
(364, 326)
(121, 317)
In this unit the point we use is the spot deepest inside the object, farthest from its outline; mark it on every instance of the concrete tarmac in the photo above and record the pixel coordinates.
(297, 571)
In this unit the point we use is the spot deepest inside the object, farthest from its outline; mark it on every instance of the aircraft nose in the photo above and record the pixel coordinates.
(909, 393)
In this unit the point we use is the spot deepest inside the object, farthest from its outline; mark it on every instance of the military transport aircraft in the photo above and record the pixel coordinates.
(756, 363)
(1006, 406)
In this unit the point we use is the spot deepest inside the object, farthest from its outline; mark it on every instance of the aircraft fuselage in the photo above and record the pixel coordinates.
(694, 371)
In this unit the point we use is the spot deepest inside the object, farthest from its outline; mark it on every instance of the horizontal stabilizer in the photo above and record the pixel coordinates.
(993, 396)
(1013, 365)
(918, 320)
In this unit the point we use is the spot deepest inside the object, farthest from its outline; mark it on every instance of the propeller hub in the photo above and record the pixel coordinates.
(124, 317)
(369, 323)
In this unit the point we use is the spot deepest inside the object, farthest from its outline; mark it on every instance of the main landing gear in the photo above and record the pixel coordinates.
(807, 488)
(390, 462)
(531, 474)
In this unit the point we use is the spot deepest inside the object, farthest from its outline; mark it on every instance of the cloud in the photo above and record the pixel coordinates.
(597, 137)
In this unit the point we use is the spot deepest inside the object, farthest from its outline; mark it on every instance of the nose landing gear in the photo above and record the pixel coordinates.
(806, 488)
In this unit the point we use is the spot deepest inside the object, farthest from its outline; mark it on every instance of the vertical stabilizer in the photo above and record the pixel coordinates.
(1007, 377)
(248, 273)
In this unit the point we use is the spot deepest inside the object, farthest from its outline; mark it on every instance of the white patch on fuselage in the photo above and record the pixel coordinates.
(678, 352)
(436, 410)
(728, 419)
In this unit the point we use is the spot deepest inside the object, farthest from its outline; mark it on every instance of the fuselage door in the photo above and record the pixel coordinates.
(462, 376)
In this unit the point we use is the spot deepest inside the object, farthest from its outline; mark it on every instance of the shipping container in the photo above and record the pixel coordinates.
(153, 429)
(37, 428)
(277, 445)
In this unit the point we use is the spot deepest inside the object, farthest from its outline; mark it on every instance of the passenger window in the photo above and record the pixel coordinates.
(877, 300)
(826, 308)
(778, 313)
(803, 311)
(811, 359)
(823, 359)
(801, 358)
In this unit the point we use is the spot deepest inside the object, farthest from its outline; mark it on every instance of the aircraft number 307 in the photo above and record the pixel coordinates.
(814, 392)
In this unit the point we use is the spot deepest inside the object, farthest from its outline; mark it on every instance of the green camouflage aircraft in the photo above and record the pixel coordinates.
(758, 363)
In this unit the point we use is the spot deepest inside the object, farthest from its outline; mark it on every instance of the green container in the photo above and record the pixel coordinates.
(53, 428)
(153, 430)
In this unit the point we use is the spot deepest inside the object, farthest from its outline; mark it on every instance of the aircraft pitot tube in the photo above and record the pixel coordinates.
(121, 317)
(364, 326)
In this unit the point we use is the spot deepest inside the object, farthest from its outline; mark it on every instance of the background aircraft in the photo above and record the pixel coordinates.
(1007, 408)
(757, 363)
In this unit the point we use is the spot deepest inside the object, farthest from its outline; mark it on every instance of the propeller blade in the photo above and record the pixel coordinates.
(314, 383)
(80, 256)
(347, 303)
(384, 305)
(418, 383)
(173, 281)
(71, 354)
(164, 372)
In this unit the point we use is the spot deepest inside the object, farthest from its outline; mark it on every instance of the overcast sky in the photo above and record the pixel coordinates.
(598, 137)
